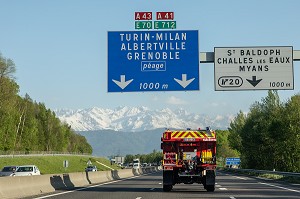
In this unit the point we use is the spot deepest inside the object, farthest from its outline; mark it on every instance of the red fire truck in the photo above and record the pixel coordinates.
(189, 156)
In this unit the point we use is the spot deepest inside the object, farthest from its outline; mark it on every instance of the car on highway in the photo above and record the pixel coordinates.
(27, 170)
(8, 170)
(136, 165)
(144, 165)
(91, 168)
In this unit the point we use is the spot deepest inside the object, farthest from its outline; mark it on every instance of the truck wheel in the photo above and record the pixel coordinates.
(210, 188)
(167, 188)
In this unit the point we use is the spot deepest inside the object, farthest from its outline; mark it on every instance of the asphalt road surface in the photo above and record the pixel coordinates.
(149, 186)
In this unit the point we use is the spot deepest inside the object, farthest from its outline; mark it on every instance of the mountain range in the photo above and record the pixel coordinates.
(135, 119)
(133, 130)
(106, 143)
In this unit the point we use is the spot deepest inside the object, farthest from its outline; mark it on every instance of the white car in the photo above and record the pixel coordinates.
(136, 165)
(27, 170)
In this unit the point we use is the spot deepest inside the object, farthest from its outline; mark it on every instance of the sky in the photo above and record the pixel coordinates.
(60, 48)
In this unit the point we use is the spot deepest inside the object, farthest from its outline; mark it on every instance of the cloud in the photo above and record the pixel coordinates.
(155, 99)
(219, 117)
(217, 104)
(175, 101)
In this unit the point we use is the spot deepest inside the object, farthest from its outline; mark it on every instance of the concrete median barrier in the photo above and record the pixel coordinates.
(19, 186)
(25, 186)
(125, 173)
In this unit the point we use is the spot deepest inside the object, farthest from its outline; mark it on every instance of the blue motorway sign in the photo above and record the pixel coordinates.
(233, 161)
(140, 61)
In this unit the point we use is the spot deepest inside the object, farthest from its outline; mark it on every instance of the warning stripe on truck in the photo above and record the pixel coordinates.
(191, 134)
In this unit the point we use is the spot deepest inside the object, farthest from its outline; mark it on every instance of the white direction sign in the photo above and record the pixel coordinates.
(254, 68)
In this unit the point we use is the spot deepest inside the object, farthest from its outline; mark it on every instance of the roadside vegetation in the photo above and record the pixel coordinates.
(268, 137)
(154, 157)
(223, 148)
(27, 125)
(290, 179)
(55, 164)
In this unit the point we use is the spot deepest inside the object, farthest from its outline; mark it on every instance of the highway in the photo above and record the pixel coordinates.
(149, 186)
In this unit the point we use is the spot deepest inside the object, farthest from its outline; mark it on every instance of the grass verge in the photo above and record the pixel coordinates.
(54, 164)
(289, 179)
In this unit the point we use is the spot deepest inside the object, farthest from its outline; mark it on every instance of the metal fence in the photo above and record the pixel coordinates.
(38, 153)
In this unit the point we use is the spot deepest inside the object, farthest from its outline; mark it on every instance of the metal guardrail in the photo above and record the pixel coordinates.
(288, 174)
(38, 153)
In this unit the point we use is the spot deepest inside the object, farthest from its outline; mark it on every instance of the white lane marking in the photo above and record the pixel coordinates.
(231, 197)
(217, 185)
(104, 165)
(138, 198)
(279, 187)
(84, 188)
(222, 188)
(240, 178)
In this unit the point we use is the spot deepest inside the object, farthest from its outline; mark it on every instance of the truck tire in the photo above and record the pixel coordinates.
(167, 188)
(210, 188)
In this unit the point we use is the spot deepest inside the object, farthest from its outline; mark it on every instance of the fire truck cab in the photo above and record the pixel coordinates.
(189, 156)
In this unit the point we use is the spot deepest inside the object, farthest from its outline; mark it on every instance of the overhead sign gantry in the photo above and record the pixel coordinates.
(156, 57)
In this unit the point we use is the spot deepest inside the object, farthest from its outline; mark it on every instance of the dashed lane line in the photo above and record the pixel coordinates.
(240, 178)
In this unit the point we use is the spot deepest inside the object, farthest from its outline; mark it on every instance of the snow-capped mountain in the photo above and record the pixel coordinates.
(138, 119)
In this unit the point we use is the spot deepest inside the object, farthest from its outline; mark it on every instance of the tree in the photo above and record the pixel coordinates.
(128, 158)
(8, 114)
(258, 147)
(223, 148)
(269, 135)
(7, 68)
(27, 125)
(288, 137)
(154, 157)
(235, 129)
